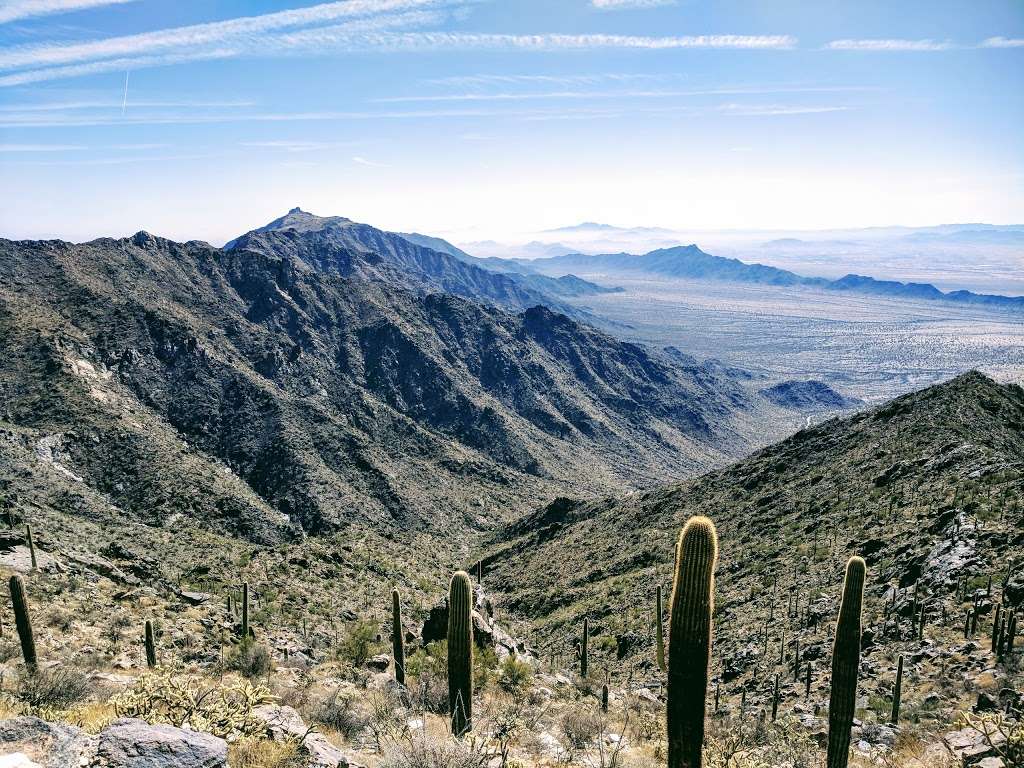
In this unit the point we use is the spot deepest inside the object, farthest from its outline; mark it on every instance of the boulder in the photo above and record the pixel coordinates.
(378, 663)
(49, 745)
(284, 723)
(137, 744)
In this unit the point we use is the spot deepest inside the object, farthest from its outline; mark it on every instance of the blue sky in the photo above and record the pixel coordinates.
(481, 118)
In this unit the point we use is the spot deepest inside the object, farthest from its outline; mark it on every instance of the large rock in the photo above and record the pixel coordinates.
(137, 744)
(49, 745)
(284, 723)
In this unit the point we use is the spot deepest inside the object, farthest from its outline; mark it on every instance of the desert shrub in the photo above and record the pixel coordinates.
(514, 675)
(424, 753)
(579, 727)
(51, 689)
(485, 661)
(428, 668)
(359, 643)
(249, 659)
(338, 711)
(263, 753)
(174, 699)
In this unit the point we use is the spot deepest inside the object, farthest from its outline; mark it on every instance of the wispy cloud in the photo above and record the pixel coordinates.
(369, 163)
(235, 32)
(619, 94)
(16, 10)
(889, 45)
(349, 25)
(774, 110)
(485, 80)
(71, 106)
(286, 145)
(435, 41)
(40, 148)
(1003, 42)
(561, 113)
(619, 5)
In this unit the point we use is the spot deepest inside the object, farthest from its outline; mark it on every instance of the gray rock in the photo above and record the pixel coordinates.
(50, 745)
(137, 744)
(284, 723)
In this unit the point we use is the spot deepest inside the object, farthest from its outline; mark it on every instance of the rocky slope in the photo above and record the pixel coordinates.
(287, 384)
(927, 488)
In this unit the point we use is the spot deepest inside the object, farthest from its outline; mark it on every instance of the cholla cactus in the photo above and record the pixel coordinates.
(169, 698)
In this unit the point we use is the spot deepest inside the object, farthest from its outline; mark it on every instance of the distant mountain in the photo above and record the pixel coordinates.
(593, 226)
(691, 262)
(680, 261)
(809, 396)
(987, 236)
(567, 285)
(438, 244)
(315, 375)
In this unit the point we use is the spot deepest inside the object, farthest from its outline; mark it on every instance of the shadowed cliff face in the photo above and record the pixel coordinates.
(292, 387)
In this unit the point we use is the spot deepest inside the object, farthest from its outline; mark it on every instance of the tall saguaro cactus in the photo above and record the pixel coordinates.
(23, 621)
(31, 547)
(397, 639)
(659, 630)
(845, 665)
(689, 646)
(584, 648)
(460, 653)
(897, 692)
(245, 610)
(150, 645)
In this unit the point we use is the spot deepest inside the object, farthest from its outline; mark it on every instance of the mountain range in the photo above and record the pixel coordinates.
(317, 373)
(691, 262)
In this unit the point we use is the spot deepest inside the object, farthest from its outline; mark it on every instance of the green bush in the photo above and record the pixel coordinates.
(359, 643)
(249, 659)
(514, 675)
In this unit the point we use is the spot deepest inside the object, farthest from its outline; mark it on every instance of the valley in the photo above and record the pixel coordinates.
(866, 346)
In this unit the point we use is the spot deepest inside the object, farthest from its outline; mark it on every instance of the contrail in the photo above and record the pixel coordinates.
(124, 100)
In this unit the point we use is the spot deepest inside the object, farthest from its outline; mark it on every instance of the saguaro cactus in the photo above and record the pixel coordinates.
(245, 609)
(659, 630)
(845, 665)
(23, 621)
(31, 547)
(584, 646)
(604, 697)
(689, 647)
(775, 699)
(397, 638)
(150, 645)
(460, 653)
(897, 692)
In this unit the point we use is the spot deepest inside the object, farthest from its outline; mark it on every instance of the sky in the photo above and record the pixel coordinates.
(202, 119)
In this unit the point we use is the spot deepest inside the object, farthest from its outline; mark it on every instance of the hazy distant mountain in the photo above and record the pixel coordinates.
(691, 262)
(809, 395)
(523, 274)
(437, 244)
(592, 226)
